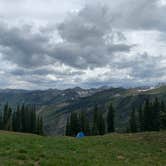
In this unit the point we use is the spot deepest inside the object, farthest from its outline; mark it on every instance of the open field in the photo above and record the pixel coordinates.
(143, 149)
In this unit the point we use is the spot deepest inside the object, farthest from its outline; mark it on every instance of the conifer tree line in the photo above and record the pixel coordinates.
(151, 116)
(80, 122)
(21, 119)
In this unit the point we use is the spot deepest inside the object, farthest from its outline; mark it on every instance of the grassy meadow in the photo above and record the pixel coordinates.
(142, 149)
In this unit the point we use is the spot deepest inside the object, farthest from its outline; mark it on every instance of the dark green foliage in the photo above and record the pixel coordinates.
(95, 121)
(77, 123)
(141, 119)
(39, 127)
(68, 132)
(98, 127)
(100, 124)
(152, 115)
(133, 122)
(87, 128)
(74, 124)
(84, 123)
(162, 116)
(80, 122)
(1, 121)
(147, 116)
(156, 115)
(22, 119)
(151, 118)
(7, 112)
(110, 119)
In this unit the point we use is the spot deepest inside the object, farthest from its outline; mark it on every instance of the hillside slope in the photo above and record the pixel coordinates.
(56, 105)
(143, 149)
(124, 100)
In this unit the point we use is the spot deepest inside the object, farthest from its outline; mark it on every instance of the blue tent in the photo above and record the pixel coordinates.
(80, 135)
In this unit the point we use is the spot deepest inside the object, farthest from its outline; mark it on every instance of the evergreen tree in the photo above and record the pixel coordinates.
(14, 122)
(133, 122)
(7, 121)
(110, 119)
(33, 119)
(87, 128)
(17, 120)
(98, 127)
(147, 115)
(74, 124)
(95, 121)
(77, 123)
(141, 119)
(1, 121)
(23, 119)
(68, 132)
(162, 115)
(40, 126)
(82, 121)
(22, 112)
(156, 115)
(101, 124)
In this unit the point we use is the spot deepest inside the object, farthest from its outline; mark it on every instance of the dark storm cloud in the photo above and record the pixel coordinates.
(142, 14)
(82, 47)
(143, 66)
(90, 38)
(88, 26)
(23, 47)
(84, 35)
(43, 71)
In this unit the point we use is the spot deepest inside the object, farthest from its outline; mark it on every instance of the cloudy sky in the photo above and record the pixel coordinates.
(61, 44)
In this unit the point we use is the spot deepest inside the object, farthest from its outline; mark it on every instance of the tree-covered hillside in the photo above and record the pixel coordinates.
(56, 105)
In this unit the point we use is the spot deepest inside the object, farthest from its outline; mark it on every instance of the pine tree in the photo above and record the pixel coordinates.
(147, 115)
(1, 121)
(95, 121)
(14, 121)
(110, 119)
(10, 119)
(74, 124)
(68, 132)
(82, 121)
(19, 119)
(22, 115)
(163, 115)
(33, 119)
(7, 121)
(5, 116)
(101, 124)
(22, 120)
(141, 119)
(133, 122)
(87, 128)
(40, 126)
(156, 115)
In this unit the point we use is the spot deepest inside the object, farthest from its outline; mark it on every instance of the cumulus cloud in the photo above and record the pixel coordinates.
(95, 44)
(142, 14)
(84, 41)
(86, 38)
(23, 47)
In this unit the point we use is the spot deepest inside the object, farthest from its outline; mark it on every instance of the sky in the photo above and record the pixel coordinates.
(63, 44)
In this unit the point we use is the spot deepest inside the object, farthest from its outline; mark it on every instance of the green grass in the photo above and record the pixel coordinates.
(143, 149)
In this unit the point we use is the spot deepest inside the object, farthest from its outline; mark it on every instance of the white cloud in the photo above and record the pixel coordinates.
(64, 43)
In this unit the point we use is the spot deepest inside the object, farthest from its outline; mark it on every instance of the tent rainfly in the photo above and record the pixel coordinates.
(80, 135)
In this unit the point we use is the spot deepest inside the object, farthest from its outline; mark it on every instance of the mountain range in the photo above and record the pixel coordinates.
(56, 105)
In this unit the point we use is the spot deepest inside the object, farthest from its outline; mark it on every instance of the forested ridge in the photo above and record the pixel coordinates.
(21, 119)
